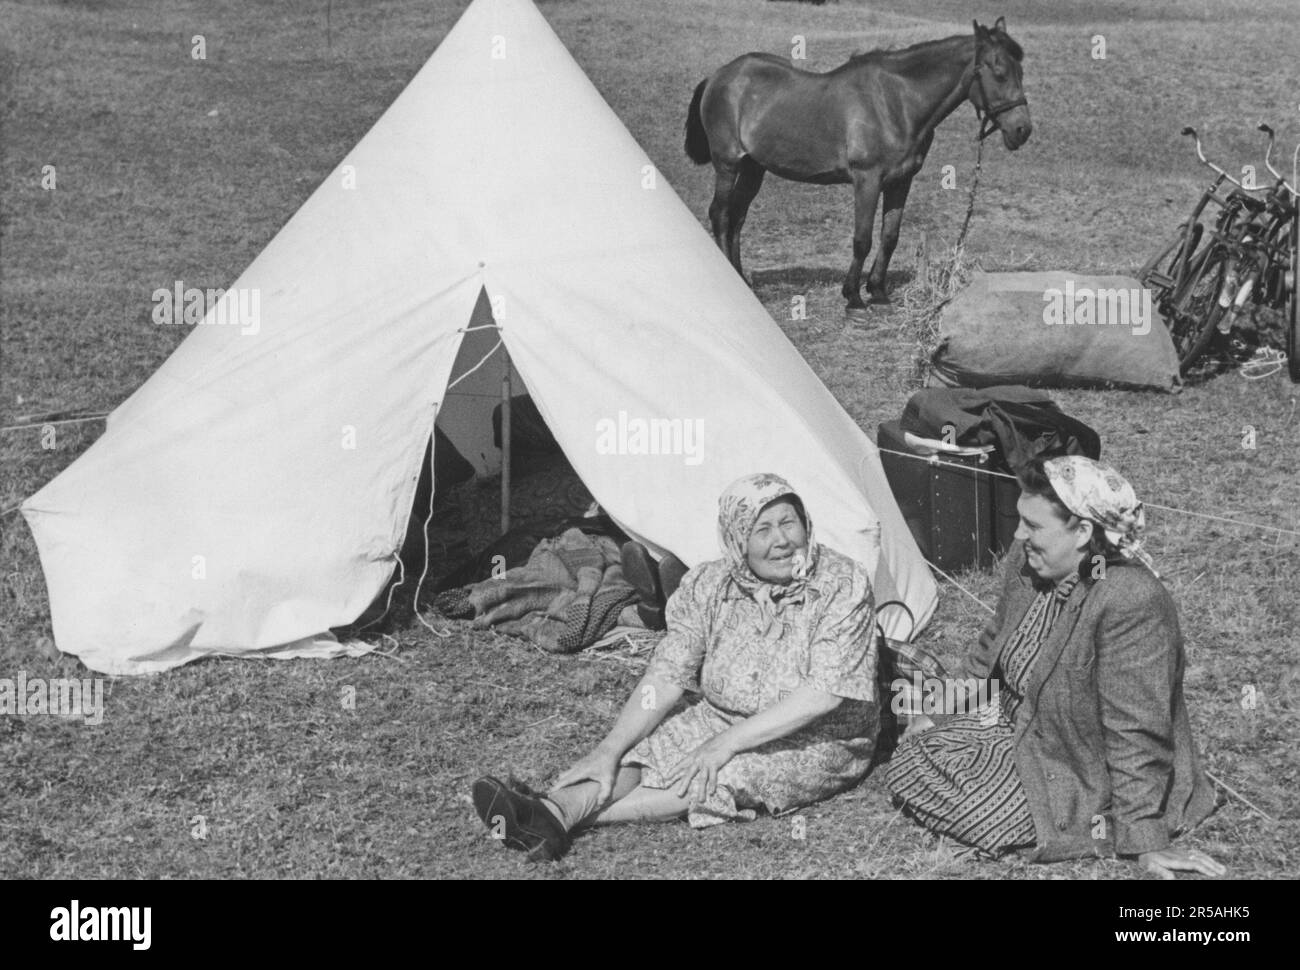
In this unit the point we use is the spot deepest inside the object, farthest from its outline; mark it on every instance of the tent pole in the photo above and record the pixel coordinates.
(505, 448)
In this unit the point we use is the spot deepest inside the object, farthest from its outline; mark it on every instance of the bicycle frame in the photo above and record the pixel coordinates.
(1261, 243)
(1203, 279)
(1194, 244)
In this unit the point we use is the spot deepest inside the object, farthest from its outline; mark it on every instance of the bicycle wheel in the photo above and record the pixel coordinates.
(1293, 308)
(1196, 310)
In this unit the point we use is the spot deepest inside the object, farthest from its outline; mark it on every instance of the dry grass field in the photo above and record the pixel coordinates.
(174, 169)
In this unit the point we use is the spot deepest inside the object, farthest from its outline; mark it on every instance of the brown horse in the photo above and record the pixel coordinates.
(869, 122)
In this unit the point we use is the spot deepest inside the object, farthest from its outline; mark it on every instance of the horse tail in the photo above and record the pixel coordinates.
(697, 139)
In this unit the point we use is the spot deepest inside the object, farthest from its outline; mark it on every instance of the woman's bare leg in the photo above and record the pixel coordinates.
(644, 805)
(576, 805)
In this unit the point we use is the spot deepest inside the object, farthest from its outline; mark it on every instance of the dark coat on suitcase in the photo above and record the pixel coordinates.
(1021, 422)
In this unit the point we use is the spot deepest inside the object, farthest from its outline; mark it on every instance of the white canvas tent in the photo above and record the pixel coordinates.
(253, 493)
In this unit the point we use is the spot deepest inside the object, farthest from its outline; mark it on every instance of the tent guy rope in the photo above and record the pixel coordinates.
(41, 424)
(935, 460)
(948, 576)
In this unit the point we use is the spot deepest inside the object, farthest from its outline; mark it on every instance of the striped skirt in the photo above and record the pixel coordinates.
(960, 780)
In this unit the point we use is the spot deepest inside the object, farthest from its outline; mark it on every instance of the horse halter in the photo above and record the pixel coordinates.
(989, 114)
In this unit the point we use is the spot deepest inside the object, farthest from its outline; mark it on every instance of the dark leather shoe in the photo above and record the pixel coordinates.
(640, 569)
(652, 618)
(521, 821)
(671, 571)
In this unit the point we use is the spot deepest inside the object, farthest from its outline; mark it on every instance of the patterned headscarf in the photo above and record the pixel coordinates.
(1097, 492)
(738, 510)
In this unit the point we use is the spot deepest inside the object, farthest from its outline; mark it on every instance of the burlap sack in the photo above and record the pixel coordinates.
(1054, 329)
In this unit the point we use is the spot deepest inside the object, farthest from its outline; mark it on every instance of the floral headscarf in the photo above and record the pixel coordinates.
(738, 510)
(1097, 492)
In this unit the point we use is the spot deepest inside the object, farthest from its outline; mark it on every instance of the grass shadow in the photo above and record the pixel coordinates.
(811, 276)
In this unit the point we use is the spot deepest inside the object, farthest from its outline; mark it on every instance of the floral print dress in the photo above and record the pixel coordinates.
(745, 645)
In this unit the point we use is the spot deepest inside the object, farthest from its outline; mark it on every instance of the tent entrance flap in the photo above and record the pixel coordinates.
(463, 444)
(474, 389)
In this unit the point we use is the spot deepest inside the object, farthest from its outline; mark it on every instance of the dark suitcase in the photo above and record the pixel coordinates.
(959, 514)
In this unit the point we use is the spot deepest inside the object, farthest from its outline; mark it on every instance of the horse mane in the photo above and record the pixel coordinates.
(917, 55)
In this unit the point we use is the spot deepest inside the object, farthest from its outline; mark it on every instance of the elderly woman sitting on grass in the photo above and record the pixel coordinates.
(1086, 749)
(777, 639)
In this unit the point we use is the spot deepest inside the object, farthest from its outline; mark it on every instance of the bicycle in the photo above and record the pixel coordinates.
(1200, 284)
(1185, 278)
(1245, 248)
(1265, 259)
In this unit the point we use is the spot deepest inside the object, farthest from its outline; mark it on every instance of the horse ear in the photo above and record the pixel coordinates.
(1000, 26)
(981, 32)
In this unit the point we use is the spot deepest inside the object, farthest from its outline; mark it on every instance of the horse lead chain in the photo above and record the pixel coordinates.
(974, 184)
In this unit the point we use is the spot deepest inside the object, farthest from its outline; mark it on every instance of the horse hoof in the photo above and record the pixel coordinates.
(880, 299)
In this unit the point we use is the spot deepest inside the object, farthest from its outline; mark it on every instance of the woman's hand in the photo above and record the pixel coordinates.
(700, 768)
(1163, 862)
(599, 765)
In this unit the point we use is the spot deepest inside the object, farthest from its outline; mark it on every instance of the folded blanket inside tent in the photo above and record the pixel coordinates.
(567, 596)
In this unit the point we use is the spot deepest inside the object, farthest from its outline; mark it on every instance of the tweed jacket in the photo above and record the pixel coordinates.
(1102, 742)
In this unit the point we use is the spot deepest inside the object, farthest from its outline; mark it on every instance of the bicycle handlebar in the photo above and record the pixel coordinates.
(1268, 150)
(1189, 130)
(1268, 154)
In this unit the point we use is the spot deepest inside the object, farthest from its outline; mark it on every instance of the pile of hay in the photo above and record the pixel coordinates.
(940, 275)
